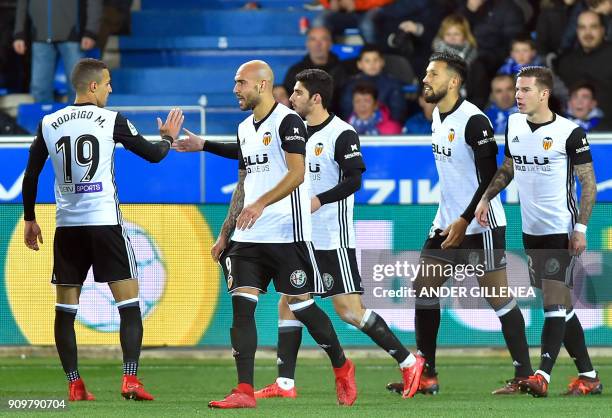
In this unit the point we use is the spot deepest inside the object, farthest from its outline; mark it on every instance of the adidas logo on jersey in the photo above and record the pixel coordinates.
(515, 139)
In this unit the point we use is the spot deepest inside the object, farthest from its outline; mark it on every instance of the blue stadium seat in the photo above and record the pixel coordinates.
(29, 115)
(177, 80)
(217, 22)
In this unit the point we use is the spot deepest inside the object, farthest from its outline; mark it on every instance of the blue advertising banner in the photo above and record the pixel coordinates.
(400, 170)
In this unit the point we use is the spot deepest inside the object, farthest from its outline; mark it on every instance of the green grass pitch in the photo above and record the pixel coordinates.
(183, 388)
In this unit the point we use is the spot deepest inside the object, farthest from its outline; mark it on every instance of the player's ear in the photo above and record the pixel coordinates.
(93, 86)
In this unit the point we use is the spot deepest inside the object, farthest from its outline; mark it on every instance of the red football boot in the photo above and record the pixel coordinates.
(536, 385)
(346, 387)
(132, 388)
(240, 397)
(412, 377)
(583, 385)
(275, 391)
(77, 391)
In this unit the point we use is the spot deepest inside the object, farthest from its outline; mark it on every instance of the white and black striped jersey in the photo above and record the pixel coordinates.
(460, 138)
(262, 147)
(544, 156)
(332, 149)
(80, 141)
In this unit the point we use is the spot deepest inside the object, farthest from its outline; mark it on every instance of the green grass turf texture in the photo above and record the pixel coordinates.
(183, 388)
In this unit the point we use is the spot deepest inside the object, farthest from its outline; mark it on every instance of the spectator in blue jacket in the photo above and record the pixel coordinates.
(502, 102)
(523, 53)
(370, 64)
(420, 123)
(582, 106)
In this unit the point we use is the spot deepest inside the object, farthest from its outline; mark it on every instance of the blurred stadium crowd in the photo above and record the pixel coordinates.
(376, 51)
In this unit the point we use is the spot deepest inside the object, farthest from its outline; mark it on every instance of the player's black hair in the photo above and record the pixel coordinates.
(542, 75)
(317, 82)
(454, 62)
(86, 71)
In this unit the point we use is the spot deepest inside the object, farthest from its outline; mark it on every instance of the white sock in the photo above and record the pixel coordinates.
(409, 361)
(285, 383)
(592, 374)
(544, 375)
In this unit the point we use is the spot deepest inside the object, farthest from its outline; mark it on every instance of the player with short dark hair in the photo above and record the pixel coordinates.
(465, 152)
(270, 227)
(335, 166)
(544, 151)
(80, 141)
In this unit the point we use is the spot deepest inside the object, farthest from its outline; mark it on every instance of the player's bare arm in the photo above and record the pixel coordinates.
(501, 180)
(234, 210)
(588, 194)
(295, 176)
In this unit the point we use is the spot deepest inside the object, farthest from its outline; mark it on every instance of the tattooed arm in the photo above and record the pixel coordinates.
(588, 191)
(502, 178)
(588, 194)
(234, 210)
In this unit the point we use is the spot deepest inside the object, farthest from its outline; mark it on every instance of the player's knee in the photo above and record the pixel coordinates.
(296, 299)
(501, 306)
(349, 312)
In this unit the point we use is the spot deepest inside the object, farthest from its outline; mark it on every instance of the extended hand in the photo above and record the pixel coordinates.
(31, 235)
(190, 143)
(455, 233)
(173, 123)
(249, 215)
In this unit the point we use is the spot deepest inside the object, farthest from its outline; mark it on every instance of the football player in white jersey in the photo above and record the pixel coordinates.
(544, 151)
(465, 152)
(335, 167)
(269, 224)
(80, 141)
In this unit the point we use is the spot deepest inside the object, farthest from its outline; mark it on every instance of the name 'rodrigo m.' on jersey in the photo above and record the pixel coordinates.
(80, 140)
(262, 147)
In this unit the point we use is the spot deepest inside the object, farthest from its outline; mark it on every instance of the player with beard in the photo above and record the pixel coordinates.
(465, 152)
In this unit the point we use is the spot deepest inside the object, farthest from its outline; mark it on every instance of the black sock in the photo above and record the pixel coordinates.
(65, 339)
(377, 329)
(575, 344)
(513, 328)
(321, 329)
(130, 335)
(426, 324)
(552, 336)
(289, 340)
(244, 336)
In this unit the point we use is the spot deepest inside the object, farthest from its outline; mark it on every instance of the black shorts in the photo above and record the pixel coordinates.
(105, 247)
(548, 257)
(489, 249)
(339, 271)
(291, 266)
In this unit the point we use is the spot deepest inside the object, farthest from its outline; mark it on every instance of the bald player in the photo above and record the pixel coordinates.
(270, 228)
